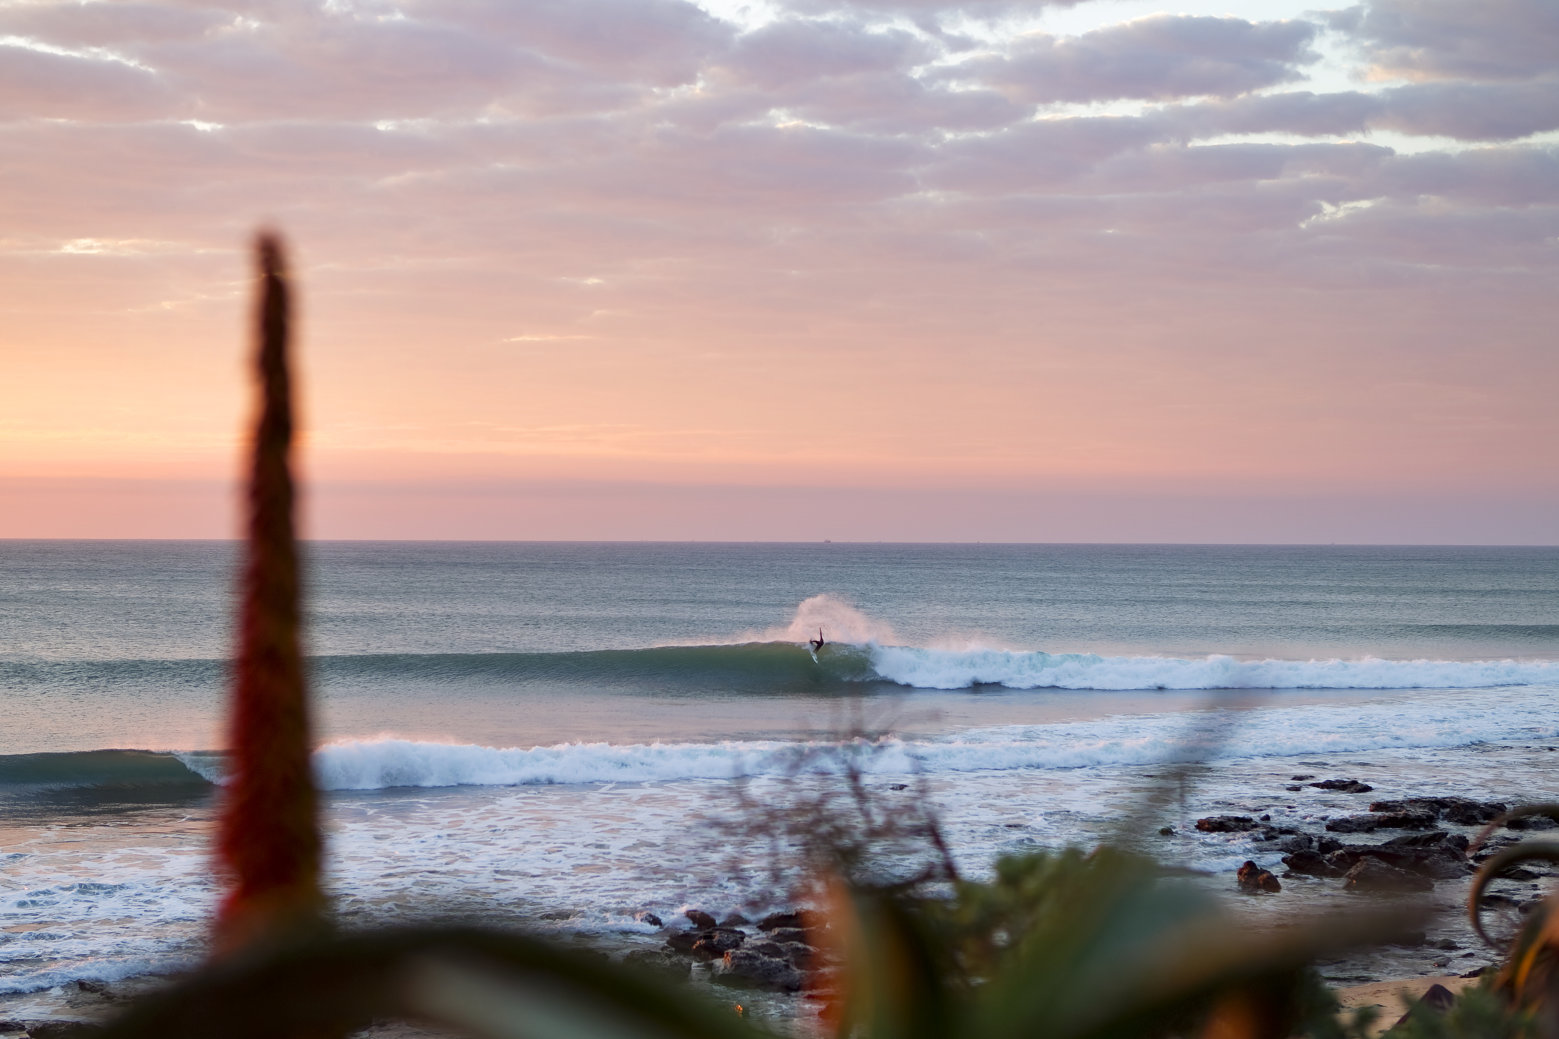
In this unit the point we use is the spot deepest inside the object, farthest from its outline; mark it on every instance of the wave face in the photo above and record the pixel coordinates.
(112, 770)
(780, 667)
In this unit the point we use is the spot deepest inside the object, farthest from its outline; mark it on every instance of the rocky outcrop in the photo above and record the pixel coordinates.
(1382, 821)
(1462, 811)
(1253, 880)
(1371, 875)
(1344, 786)
(1226, 824)
(749, 968)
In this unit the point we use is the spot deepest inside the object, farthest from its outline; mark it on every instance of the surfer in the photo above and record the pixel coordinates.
(817, 643)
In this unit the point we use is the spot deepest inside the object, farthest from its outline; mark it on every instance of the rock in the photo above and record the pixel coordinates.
(1354, 824)
(701, 920)
(1226, 824)
(797, 918)
(1346, 786)
(1494, 900)
(649, 918)
(782, 935)
(1531, 822)
(1166, 831)
(1326, 845)
(1436, 1001)
(712, 945)
(1294, 787)
(96, 988)
(1444, 861)
(743, 968)
(1432, 839)
(1311, 863)
(682, 941)
(1272, 833)
(1301, 779)
(1372, 875)
(734, 920)
(1253, 880)
(1296, 842)
(800, 956)
(63, 1030)
(1459, 810)
(1382, 821)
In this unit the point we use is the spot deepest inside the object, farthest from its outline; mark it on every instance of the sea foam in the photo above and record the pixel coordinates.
(1444, 720)
(957, 669)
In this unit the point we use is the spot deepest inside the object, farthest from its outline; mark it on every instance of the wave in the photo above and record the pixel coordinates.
(784, 667)
(108, 770)
(960, 669)
(1313, 729)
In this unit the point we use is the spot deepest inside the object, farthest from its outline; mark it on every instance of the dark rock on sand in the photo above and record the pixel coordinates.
(1434, 1002)
(1253, 880)
(701, 920)
(1226, 824)
(1346, 786)
(1372, 875)
(744, 968)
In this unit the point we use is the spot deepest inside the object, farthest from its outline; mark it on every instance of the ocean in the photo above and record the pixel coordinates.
(570, 736)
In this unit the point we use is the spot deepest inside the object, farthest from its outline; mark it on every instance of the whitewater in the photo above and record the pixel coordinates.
(562, 736)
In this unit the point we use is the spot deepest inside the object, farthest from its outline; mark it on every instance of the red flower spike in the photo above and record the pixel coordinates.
(269, 830)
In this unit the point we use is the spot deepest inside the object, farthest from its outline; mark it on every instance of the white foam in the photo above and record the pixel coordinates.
(959, 669)
(1437, 720)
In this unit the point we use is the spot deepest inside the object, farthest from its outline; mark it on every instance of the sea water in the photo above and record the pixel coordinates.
(566, 736)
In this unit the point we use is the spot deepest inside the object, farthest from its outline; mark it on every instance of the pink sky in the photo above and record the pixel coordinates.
(895, 269)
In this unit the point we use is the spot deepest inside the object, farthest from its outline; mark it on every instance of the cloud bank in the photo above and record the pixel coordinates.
(871, 243)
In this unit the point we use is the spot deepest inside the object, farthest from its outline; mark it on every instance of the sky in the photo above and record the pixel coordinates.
(1225, 271)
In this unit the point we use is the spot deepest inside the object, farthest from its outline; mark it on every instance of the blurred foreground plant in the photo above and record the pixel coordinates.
(269, 830)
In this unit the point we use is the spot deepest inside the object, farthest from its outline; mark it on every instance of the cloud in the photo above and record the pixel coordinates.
(1454, 39)
(35, 84)
(109, 23)
(797, 51)
(1153, 58)
(1464, 111)
(1472, 111)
